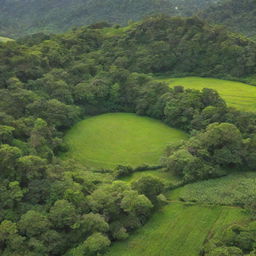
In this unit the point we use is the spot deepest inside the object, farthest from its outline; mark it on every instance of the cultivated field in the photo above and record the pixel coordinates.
(181, 228)
(178, 230)
(236, 94)
(107, 140)
(234, 189)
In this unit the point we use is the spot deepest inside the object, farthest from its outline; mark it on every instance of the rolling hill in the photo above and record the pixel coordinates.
(30, 16)
(238, 16)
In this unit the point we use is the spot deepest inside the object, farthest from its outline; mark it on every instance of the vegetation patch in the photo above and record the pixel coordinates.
(235, 189)
(182, 228)
(166, 177)
(56, 17)
(178, 229)
(236, 94)
(5, 39)
(236, 15)
(108, 140)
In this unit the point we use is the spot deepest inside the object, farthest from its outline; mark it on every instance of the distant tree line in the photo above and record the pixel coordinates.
(19, 18)
(238, 16)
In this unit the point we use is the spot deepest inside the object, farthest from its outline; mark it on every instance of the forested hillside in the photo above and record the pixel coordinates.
(238, 16)
(55, 207)
(25, 17)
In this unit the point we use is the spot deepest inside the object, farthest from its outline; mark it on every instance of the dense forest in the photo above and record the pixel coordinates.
(19, 18)
(238, 16)
(47, 83)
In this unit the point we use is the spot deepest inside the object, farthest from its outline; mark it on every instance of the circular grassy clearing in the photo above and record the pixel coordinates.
(108, 140)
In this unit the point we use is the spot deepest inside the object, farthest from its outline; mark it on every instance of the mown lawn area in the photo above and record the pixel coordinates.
(108, 140)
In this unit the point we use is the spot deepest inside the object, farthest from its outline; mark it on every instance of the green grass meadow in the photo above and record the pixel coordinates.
(178, 230)
(108, 140)
(239, 95)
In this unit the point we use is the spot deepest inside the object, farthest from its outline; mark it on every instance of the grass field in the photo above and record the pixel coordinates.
(234, 189)
(178, 230)
(236, 94)
(107, 140)
(5, 39)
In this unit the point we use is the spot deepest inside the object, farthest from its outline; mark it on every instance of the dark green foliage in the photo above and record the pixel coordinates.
(165, 45)
(19, 17)
(122, 171)
(149, 186)
(219, 147)
(239, 16)
(33, 224)
(6, 134)
(236, 241)
(96, 244)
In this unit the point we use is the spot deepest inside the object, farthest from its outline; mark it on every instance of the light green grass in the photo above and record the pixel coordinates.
(239, 95)
(5, 39)
(178, 230)
(234, 189)
(166, 177)
(107, 140)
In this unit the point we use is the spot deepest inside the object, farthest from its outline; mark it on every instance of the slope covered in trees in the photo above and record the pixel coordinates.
(30, 16)
(48, 83)
(238, 16)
